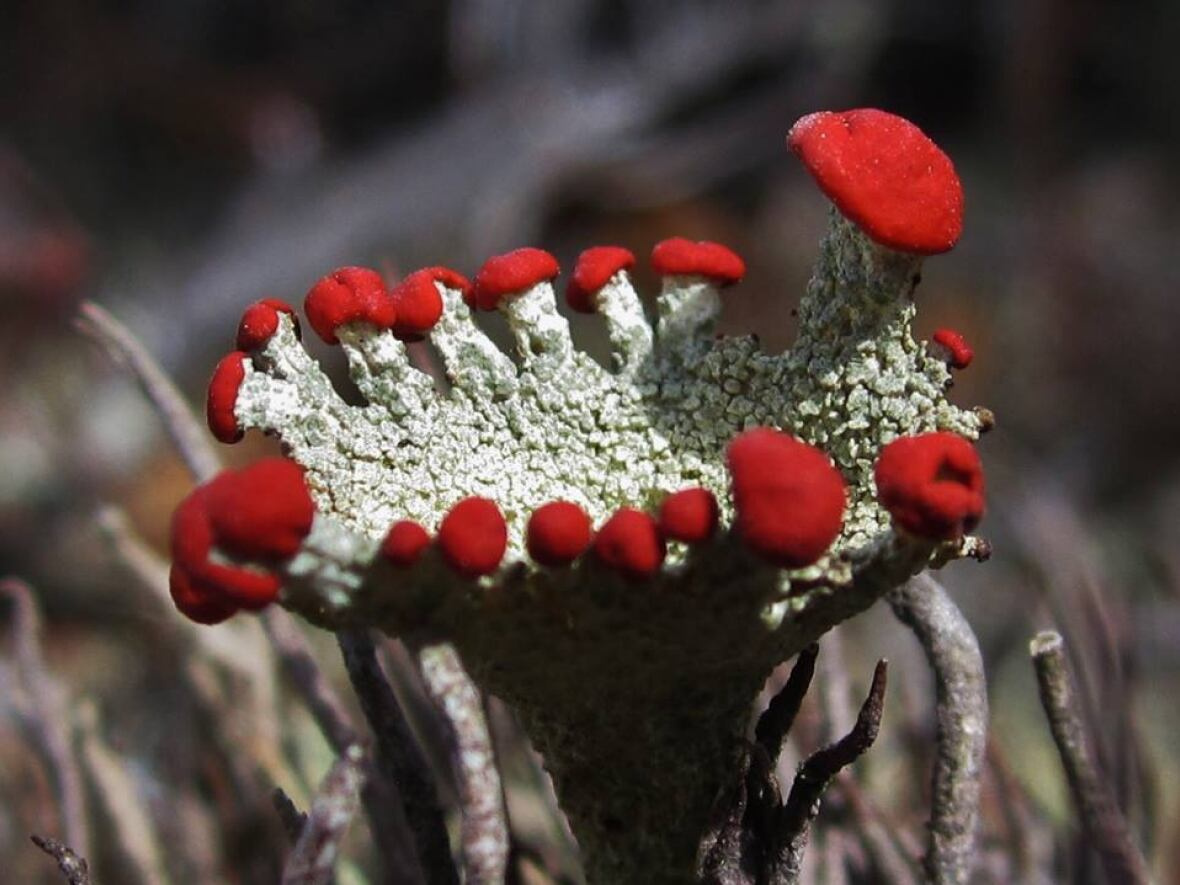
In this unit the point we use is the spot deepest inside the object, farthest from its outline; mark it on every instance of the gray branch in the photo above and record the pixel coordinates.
(399, 758)
(1104, 822)
(961, 707)
(72, 866)
(188, 434)
(484, 833)
(45, 709)
(313, 860)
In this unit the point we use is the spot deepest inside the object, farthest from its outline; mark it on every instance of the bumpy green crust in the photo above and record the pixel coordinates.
(637, 694)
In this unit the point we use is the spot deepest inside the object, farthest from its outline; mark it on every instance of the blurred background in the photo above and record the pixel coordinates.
(176, 160)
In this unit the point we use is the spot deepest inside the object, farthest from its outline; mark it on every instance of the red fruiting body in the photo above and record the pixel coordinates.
(348, 295)
(473, 537)
(594, 269)
(885, 175)
(418, 303)
(958, 350)
(262, 511)
(223, 397)
(404, 543)
(630, 543)
(689, 515)
(193, 541)
(260, 321)
(558, 533)
(680, 257)
(789, 498)
(195, 603)
(931, 484)
(507, 274)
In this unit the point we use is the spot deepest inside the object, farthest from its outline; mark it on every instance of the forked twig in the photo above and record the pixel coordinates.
(793, 821)
(1095, 804)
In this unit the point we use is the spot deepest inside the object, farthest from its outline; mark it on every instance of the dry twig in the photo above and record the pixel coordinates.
(188, 435)
(1095, 804)
(961, 708)
(793, 820)
(314, 857)
(399, 758)
(71, 864)
(45, 710)
(484, 834)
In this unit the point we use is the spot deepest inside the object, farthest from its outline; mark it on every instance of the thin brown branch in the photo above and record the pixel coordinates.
(793, 821)
(313, 859)
(72, 865)
(1095, 804)
(484, 831)
(48, 713)
(383, 805)
(308, 680)
(774, 724)
(399, 758)
(952, 652)
(188, 435)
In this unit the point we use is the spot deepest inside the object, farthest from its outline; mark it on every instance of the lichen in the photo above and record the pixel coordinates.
(636, 692)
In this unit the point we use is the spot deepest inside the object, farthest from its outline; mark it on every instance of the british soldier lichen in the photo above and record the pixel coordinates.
(633, 672)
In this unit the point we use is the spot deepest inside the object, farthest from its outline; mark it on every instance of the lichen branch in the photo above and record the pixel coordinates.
(188, 435)
(793, 820)
(399, 758)
(952, 652)
(484, 832)
(774, 724)
(1104, 822)
(314, 857)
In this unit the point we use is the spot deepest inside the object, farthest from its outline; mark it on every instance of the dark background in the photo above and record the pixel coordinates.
(177, 160)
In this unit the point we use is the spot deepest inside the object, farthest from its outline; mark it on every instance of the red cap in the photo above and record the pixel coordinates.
(558, 533)
(885, 175)
(348, 295)
(680, 257)
(418, 303)
(630, 543)
(195, 602)
(262, 511)
(594, 269)
(932, 484)
(260, 321)
(689, 515)
(788, 496)
(404, 543)
(957, 348)
(504, 275)
(473, 537)
(202, 579)
(222, 397)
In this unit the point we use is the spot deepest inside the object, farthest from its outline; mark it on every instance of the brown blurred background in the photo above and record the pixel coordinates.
(176, 160)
